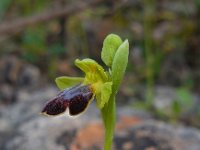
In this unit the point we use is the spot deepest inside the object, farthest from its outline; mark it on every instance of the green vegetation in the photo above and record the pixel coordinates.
(164, 39)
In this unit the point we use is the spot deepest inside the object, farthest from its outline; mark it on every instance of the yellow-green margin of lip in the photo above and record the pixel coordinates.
(45, 114)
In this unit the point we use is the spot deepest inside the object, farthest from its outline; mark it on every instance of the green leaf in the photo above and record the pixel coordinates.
(184, 97)
(108, 112)
(94, 72)
(103, 96)
(110, 46)
(66, 82)
(119, 64)
(176, 107)
(4, 5)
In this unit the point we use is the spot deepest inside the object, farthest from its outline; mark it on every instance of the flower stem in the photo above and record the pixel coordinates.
(109, 118)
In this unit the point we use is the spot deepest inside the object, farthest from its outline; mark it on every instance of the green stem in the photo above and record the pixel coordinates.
(109, 118)
(148, 43)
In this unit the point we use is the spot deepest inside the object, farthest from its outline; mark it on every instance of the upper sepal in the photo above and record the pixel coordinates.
(94, 72)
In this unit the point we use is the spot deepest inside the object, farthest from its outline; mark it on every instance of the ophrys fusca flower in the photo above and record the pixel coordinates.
(82, 91)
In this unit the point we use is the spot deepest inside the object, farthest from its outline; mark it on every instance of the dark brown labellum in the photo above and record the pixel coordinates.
(76, 99)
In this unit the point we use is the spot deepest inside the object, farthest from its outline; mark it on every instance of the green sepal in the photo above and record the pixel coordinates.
(110, 46)
(94, 72)
(66, 82)
(119, 64)
(103, 94)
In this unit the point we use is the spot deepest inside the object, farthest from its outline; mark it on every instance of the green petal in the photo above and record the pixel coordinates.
(119, 64)
(94, 72)
(103, 95)
(66, 82)
(110, 46)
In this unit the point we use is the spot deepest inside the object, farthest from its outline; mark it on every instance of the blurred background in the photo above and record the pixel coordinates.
(158, 103)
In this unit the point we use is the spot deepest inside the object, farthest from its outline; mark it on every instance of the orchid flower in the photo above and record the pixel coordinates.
(98, 83)
(78, 92)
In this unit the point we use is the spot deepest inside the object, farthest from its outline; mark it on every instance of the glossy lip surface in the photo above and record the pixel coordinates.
(76, 99)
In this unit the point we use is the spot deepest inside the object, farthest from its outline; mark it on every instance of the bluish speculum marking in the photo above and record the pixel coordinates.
(76, 99)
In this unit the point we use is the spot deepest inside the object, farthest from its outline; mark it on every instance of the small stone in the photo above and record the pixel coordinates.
(128, 146)
(151, 148)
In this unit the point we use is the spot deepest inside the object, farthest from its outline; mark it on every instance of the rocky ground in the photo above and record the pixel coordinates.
(23, 128)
